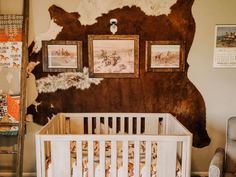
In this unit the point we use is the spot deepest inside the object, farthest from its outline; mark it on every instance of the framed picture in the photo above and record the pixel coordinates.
(114, 56)
(62, 56)
(165, 56)
(225, 46)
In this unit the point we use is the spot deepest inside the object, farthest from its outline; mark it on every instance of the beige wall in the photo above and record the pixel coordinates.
(39, 15)
(11, 6)
(216, 85)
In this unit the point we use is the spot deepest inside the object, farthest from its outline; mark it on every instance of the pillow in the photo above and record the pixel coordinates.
(217, 162)
(11, 79)
(214, 171)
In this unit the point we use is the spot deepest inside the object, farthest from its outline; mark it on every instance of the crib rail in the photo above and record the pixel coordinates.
(133, 131)
(113, 123)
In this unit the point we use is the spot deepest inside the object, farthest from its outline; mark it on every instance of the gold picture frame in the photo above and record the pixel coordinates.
(62, 56)
(113, 56)
(165, 56)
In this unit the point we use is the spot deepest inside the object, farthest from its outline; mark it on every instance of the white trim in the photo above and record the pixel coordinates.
(6, 174)
(11, 174)
(200, 173)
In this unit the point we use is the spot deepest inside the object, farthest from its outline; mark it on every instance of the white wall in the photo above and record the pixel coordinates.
(216, 85)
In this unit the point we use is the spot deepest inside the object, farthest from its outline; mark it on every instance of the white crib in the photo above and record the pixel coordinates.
(113, 145)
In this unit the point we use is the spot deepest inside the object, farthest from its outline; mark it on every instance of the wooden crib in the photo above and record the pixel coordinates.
(113, 145)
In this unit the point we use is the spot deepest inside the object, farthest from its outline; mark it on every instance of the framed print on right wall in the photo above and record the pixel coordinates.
(225, 46)
(165, 56)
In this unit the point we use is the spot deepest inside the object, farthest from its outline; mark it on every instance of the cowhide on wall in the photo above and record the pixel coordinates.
(154, 92)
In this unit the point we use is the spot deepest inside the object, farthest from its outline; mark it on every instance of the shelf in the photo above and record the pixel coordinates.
(8, 124)
(9, 132)
(8, 152)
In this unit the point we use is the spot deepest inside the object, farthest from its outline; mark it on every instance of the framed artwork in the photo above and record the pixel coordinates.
(62, 56)
(225, 46)
(165, 56)
(113, 56)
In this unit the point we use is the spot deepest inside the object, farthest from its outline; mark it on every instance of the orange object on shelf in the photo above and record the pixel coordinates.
(13, 108)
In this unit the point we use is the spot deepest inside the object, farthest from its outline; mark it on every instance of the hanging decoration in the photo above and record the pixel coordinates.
(63, 81)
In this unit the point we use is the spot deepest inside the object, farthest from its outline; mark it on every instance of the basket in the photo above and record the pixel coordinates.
(5, 117)
(9, 133)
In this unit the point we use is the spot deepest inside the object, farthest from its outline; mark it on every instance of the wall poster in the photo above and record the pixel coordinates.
(10, 41)
(10, 53)
(225, 46)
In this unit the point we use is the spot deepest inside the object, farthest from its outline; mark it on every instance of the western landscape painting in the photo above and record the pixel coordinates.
(113, 57)
(62, 56)
(165, 56)
(226, 36)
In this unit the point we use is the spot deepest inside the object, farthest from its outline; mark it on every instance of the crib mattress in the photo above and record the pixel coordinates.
(120, 168)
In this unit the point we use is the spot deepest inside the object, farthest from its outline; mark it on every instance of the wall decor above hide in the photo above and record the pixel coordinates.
(10, 53)
(113, 56)
(66, 80)
(151, 92)
(62, 56)
(224, 46)
(165, 56)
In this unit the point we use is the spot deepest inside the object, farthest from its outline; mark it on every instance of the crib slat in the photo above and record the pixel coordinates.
(166, 164)
(113, 158)
(148, 126)
(90, 159)
(157, 126)
(43, 157)
(79, 159)
(90, 125)
(114, 125)
(60, 156)
(130, 125)
(160, 159)
(38, 156)
(184, 159)
(47, 148)
(102, 158)
(53, 129)
(122, 125)
(148, 158)
(125, 158)
(172, 155)
(98, 126)
(57, 123)
(136, 158)
(106, 125)
(138, 125)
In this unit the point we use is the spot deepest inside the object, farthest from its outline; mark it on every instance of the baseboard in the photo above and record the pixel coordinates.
(9, 174)
(200, 173)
